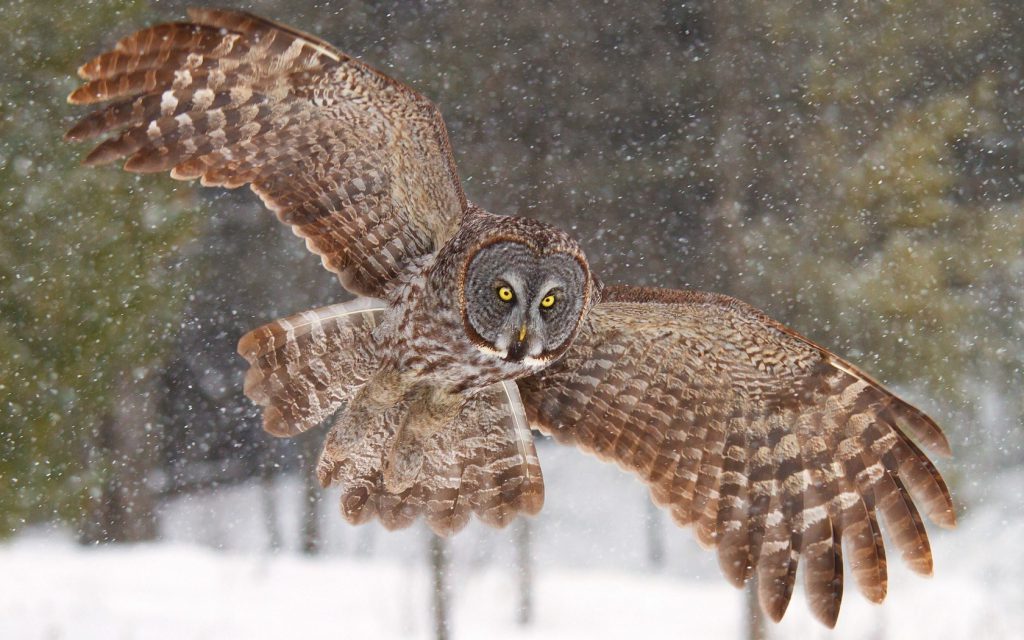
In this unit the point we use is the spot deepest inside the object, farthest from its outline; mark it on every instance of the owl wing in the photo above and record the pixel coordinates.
(358, 164)
(303, 368)
(771, 446)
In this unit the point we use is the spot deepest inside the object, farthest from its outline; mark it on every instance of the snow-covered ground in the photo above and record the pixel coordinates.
(212, 577)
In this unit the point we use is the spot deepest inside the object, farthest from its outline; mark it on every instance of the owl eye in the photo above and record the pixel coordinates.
(506, 294)
(547, 302)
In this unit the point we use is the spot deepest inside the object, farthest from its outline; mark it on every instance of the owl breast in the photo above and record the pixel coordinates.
(422, 337)
(502, 299)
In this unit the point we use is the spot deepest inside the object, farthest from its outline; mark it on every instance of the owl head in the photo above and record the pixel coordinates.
(525, 288)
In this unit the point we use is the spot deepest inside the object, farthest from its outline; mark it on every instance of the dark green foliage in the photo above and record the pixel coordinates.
(898, 235)
(89, 291)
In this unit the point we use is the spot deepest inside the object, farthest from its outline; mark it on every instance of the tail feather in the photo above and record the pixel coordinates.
(305, 367)
(484, 463)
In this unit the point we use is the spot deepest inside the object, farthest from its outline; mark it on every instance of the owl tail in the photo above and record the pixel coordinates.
(484, 462)
(304, 367)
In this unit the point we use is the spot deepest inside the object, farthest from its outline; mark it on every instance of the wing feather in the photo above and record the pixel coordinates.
(304, 367)
(359, 164)
(772, 447)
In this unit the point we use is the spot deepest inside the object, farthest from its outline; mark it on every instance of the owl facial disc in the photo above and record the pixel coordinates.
(523, 305)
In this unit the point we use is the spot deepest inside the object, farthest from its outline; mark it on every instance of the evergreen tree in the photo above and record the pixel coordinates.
(89, 291)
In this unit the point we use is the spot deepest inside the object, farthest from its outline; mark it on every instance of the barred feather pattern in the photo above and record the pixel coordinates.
(484, 463)
(305, 367)
(358, 164)
(773, 448)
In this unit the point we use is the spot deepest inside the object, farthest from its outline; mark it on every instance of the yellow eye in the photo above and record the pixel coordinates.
(505, 294)
(548, 302)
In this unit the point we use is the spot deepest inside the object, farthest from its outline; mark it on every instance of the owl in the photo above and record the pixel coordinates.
(472, 329)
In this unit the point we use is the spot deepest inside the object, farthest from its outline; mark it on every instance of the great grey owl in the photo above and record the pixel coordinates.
(474, 328)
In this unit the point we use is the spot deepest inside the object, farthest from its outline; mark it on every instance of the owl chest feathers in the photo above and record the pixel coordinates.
(428, 369)
(422, 338)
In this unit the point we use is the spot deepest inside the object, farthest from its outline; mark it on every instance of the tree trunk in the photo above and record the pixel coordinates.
(269, 499)
(439, 570)
(734, 90)
(756, 628)
(122, 505)
(655, 535)
(524, 562)
(310, 534)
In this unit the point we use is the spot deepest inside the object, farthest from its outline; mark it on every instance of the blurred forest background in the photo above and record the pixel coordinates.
(853, 168)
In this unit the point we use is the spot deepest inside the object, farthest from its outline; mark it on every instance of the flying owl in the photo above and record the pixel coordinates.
(473, 328)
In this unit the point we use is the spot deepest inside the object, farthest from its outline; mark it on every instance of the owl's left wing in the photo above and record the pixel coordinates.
(771, 446)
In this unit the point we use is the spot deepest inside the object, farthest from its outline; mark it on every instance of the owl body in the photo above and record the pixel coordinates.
(475, 328)
(430, 361)
(428, 331)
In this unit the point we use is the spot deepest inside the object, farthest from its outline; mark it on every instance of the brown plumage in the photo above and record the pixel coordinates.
(775, 450)
(358, 164)
(768, 444)
(308, 365)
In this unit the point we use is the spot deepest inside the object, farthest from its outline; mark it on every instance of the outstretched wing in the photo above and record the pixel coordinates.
(359, 164)
(772, 447)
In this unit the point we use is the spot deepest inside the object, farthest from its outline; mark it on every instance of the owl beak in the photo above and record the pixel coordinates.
(517, 350)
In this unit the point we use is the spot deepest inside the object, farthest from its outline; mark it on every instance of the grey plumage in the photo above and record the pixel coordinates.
(773, 448)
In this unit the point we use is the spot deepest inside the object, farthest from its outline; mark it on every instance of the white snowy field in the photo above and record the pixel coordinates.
(212, 577)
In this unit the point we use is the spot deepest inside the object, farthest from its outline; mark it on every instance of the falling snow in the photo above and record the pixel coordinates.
(853, 168)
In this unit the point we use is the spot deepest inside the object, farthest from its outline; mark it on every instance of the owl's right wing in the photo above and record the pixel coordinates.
(358, 164)
(771, 446)
(304, 368)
